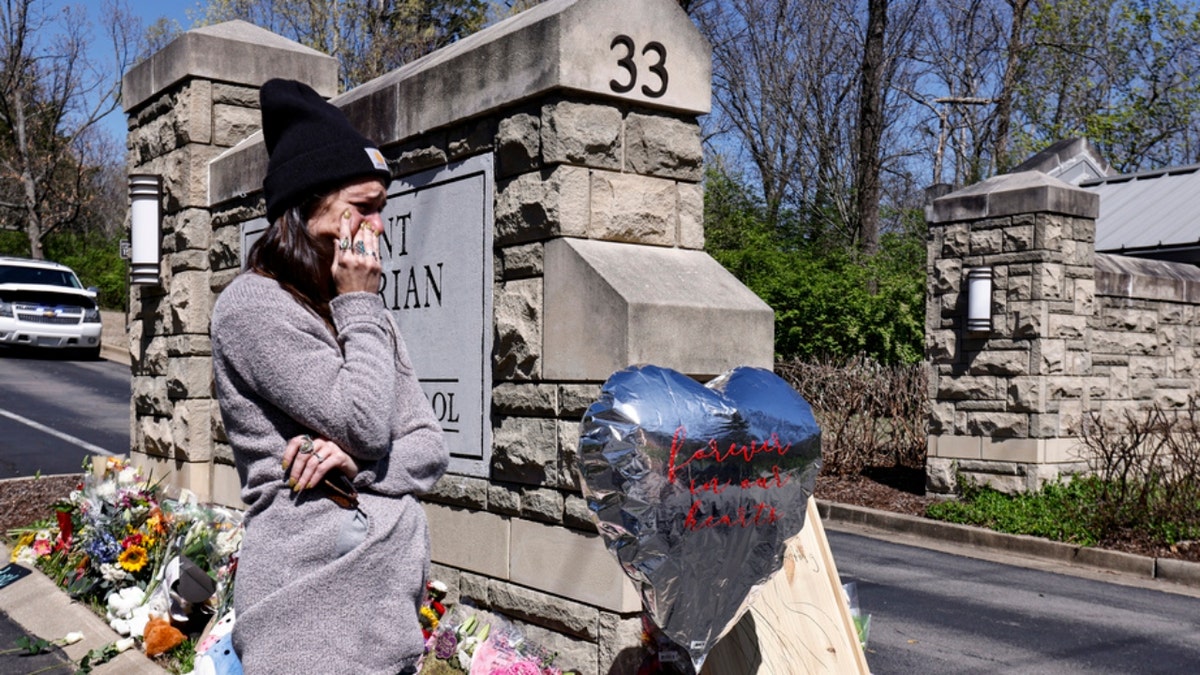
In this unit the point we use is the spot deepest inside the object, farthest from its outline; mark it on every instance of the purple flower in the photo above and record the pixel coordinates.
(446, 644)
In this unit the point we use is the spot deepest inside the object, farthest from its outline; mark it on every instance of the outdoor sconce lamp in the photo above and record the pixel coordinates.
(979, 300)
(145, 196)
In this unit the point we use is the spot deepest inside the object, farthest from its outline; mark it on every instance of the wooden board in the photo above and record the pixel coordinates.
(799, 622)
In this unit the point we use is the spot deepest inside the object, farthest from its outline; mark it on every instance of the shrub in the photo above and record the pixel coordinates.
(870, 414)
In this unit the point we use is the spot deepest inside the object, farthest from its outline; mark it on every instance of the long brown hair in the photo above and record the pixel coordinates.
(302, 264)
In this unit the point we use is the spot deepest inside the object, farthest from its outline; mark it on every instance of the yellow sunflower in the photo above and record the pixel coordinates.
(133, 559)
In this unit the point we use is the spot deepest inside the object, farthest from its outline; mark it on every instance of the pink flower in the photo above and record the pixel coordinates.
(522, 668)
(42, 547)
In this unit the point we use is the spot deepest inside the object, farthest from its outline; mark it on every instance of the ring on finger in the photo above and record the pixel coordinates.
(344, 244)
(360, 248)
(306, 446)
(320, 457)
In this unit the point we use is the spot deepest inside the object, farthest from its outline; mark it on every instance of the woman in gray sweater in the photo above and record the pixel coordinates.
(315, 387)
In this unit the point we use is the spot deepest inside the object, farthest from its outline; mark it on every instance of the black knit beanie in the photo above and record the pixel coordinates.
(310, 145)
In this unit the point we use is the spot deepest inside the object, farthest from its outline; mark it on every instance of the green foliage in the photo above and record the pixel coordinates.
(94, 256)
(828, 302)
(1059, 511)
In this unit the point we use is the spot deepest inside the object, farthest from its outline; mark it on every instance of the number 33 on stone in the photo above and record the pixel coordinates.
(658, 67)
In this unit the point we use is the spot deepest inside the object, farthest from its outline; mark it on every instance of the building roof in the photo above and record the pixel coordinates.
(1153, 213)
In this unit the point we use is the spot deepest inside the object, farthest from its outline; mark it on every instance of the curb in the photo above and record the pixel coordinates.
(1180, 572)
(41, 608)
(114, 338)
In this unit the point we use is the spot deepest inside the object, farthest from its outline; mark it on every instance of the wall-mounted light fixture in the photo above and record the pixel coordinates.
(979, 300)
(145, 196)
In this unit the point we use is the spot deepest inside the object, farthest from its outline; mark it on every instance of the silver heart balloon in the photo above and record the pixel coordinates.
(697, 488)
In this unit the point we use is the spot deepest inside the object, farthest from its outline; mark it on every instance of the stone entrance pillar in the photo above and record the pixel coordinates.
(1007, 401)
(544, 229)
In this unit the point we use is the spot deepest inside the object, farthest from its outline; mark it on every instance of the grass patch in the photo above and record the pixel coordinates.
(1058, 511)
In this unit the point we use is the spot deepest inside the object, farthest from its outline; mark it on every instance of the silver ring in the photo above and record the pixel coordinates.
(306, 447)
(319, 458)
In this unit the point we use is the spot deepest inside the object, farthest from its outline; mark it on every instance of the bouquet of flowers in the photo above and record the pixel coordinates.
(472, 641)
(116, 543)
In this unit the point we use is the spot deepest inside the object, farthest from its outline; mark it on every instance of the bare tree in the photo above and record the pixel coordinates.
(368, 37)
(870, 126)
(52, 96)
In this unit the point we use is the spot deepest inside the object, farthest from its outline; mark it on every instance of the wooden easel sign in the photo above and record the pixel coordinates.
(699, 491)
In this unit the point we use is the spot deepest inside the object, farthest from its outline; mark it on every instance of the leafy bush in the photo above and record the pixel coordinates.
(95, 257)
(870, 414)
(1059, 511)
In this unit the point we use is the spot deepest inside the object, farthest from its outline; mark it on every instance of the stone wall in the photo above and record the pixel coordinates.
(1073, 332)
(597, 264)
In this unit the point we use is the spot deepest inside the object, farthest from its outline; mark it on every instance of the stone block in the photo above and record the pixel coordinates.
(947, 276)
(178, 475)
(568, 454)
(150, 396)
(543, 204)
(658, 145)
(191, 426)
(1011, 449)
(193, 229)
(424, 152)
(1027, 394)
(633, 209)
(504, 499)
(1000, 362)
(226, 486)
(518, 330)
(245, 96)
(570, 564)
(458, 490)
(542, 504)
(610, 305)
(191, 302)
(474, 541)
(956, 241)
(967, 387)
(574, 399)
(233, 124)
(941, 476)
(473, 138)
(187, 261)
(526, 399)
(997, 424)
(956, 447)
(1048, 282)
(188, 345)
(941, 346)
(525, 450)
(584, 134)
(1018, 238)
(691, 216)
(577, 515)
(1049, 357)
(548, 610)
(522, 261)
(225, 252)
(580, 653)
(189, 377)
(1013, 194)
(234, 52)
(155, 436)
(986, 242)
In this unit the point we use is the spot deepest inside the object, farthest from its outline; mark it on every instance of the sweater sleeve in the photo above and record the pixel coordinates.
(288, 356)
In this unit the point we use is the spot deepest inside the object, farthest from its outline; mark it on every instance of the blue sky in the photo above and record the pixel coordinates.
(148, 11)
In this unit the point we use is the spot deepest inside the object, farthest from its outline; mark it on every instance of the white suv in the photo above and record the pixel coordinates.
(42, 304)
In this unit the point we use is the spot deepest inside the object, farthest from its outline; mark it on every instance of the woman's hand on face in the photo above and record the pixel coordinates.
(356, 263)
(307, 460)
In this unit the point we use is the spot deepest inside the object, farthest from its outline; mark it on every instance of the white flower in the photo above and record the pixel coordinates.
(123, 644)
(464, 660)
(106, 491)
(113, 573)
(72, 638)
(227, 542)
(128, 476)
(25, 556)
(43, 535)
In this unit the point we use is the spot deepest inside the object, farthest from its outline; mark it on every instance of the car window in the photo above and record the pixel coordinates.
(14, 274)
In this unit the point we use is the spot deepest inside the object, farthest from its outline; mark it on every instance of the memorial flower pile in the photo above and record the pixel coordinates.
(470, 641)
(118, 545)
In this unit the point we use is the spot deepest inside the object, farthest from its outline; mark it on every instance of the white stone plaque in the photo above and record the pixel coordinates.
(437, 281)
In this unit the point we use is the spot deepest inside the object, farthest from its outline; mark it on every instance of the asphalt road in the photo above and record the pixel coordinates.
(55, 411)
(934, 612)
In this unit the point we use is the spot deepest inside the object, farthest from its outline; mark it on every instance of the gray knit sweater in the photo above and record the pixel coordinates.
(279, 372)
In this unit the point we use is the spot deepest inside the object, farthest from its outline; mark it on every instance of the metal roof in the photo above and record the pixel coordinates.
(1149, 211)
